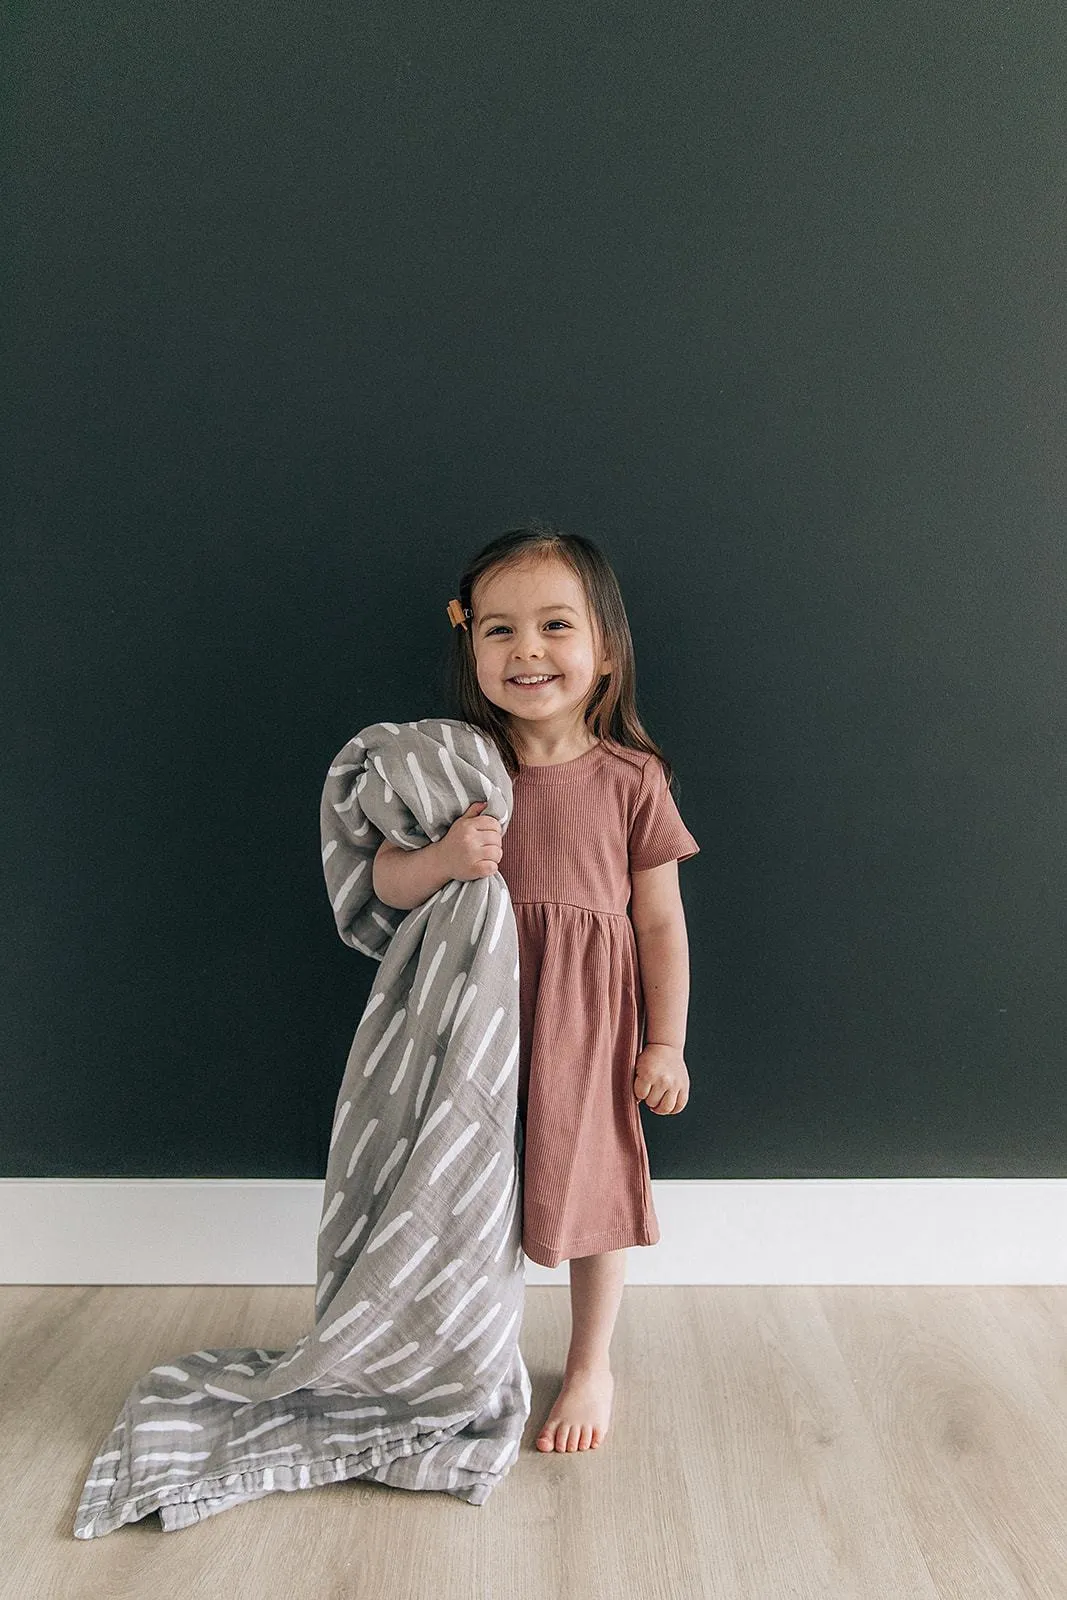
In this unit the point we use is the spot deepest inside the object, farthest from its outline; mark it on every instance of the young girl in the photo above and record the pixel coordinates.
(544, 664)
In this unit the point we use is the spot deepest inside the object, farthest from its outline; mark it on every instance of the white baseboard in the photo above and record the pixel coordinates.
(732, 1231)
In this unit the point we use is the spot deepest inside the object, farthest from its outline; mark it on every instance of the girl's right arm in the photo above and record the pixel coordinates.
(470, 849)
(405, 878)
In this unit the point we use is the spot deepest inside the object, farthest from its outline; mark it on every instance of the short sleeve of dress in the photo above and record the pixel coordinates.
(657, 832)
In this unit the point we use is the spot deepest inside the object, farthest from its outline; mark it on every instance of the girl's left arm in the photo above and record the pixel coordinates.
(661, 1078)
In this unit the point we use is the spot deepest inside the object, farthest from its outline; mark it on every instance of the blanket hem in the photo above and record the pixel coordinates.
(256, 1482)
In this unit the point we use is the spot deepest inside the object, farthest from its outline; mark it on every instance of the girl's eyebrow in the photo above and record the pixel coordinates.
(503, 616)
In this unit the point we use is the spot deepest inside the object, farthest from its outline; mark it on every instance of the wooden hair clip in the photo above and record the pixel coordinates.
(459, 613)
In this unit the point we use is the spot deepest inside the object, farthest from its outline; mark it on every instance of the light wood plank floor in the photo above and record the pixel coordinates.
(767, 1443)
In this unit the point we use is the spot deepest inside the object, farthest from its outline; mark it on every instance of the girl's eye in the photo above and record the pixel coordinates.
(500, 625)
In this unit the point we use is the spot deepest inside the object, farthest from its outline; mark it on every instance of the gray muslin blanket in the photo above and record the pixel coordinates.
(412, 1374)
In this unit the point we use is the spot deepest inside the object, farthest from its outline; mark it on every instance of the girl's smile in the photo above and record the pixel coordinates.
(531, 688)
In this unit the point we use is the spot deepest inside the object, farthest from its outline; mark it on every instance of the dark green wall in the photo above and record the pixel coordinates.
(766, 299)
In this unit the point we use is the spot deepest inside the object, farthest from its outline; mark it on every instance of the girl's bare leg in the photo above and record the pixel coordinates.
(579, 1419)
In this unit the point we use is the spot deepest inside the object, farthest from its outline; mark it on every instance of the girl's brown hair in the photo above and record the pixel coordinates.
(610, 711)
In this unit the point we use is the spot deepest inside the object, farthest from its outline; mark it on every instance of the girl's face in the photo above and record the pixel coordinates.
(530, 620)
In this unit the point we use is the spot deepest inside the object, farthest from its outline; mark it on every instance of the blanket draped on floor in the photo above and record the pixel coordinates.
(412, 1374)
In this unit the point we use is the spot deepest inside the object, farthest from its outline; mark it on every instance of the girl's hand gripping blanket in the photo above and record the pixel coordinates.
(412, 1374)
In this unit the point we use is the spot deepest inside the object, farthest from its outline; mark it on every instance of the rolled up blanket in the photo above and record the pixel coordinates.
(412, 1374)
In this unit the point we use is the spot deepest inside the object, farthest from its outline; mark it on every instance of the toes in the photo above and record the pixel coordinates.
(570, 1436)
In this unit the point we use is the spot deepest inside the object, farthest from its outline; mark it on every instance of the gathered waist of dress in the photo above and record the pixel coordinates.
(569, 905)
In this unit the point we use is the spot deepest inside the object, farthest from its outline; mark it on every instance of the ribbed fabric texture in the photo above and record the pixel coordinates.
(577, 829)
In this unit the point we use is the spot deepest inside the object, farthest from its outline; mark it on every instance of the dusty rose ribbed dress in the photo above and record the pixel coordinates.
(576, 830)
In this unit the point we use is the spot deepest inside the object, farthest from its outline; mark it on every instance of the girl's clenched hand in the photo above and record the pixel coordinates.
(471, 848)
(661, 1079)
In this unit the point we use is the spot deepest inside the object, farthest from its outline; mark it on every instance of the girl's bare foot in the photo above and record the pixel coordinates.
(579, 1419)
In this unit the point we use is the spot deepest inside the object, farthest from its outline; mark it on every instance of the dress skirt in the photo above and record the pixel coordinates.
(585, 1172)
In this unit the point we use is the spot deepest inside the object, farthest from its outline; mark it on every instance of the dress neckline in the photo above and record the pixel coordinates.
(553, 772)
